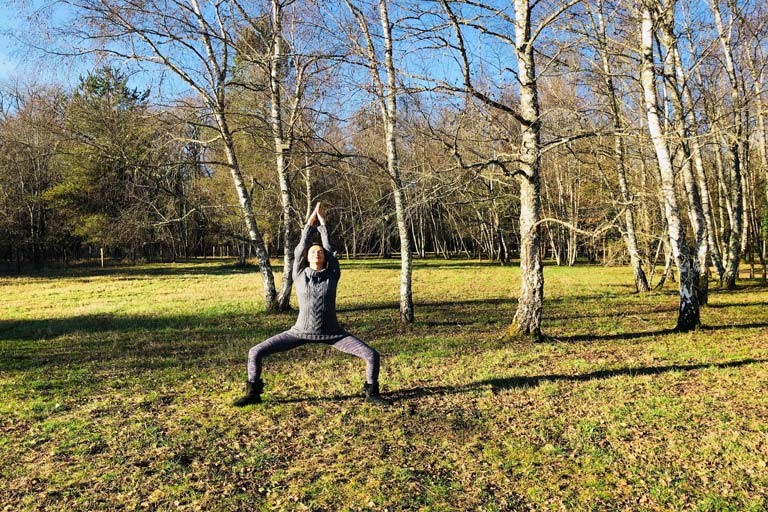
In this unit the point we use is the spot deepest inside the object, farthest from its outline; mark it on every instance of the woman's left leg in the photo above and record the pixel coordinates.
(352, 345)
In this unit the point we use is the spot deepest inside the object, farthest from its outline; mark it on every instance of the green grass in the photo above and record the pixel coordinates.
(116, 385)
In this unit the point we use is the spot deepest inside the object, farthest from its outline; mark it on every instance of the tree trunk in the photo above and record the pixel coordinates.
(282, 146)
(688, 314)
(684, 125)
(308, 189)
(527, 318)
(735, 148)
(701, 177)
(250, 220)
(406, 256)
(630, 236)
(387, 97)
(389, 111)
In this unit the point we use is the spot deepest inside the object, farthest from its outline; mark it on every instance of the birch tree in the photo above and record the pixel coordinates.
(282, 134)
(694, 79)
(193, 40)
(688, 312)
(524, 165)
(287, 63)
(386, 92)
(677, 92)
(735, 141)
(619, 149)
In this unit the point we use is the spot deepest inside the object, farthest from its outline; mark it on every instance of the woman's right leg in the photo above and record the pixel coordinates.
(278, 343)
(254, 386)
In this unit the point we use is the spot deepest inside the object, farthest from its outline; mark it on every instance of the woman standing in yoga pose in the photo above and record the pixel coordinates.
(316, 275)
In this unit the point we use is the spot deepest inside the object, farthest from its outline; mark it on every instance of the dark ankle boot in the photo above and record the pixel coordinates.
(372, 395)
(252, 394)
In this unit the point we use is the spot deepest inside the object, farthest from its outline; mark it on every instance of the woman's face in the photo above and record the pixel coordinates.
(316, 257)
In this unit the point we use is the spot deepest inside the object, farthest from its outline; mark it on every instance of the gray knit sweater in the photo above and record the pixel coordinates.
(316, 291)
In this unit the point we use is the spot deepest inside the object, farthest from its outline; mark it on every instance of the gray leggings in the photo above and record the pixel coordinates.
(286, 341)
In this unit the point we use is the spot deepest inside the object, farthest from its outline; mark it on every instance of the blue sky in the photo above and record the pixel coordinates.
(21, 61)
(9, 58)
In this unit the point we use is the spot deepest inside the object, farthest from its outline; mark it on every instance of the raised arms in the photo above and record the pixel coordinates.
(300, 260)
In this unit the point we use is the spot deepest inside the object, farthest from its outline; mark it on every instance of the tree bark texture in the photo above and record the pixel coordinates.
(281, 157)
(389, 111)
(250, 220)
(217, 68)
(676, 85)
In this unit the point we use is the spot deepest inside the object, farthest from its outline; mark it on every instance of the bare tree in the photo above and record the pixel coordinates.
(525, 163)
(193, 41)
(619, 149)
(735, 142)
(386, 92)
(688, 313)
(287, 62)
(677, 92)
(283, 138)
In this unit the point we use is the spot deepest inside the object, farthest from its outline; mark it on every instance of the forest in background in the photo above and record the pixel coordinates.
(592, 130)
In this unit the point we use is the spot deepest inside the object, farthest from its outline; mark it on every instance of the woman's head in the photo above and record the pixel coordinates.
(316, 257)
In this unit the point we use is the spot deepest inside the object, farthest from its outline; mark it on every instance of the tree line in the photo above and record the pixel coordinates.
(600, 130)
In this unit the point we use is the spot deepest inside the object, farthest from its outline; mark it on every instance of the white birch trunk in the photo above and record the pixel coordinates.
(250, 220)
(630, 236)
(706, 204)
(387, 97)
(282, 146)
(308, 189)
(735, 147)
(684, 126)
(393, 168)
(688, 313)
(217, 68)
(527, 318)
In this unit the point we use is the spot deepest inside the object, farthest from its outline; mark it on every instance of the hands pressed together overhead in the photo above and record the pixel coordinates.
(316, 216)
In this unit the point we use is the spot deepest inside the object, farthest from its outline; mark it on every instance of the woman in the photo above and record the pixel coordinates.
(315, 275)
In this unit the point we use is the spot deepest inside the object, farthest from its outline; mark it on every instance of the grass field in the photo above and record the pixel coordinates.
(116, 385)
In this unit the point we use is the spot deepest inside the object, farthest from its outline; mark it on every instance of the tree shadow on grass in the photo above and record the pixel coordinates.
(742, 286)
(103, 323)
(520, 382)
(426, 306)
(534, 381)
(736, 305)
(639, 310)
(141, 341)
(127, 272)
(432, 306)
(579, 338)
(454, 316)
